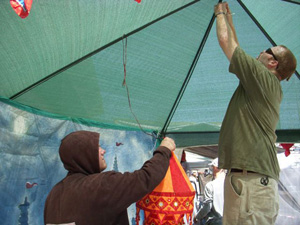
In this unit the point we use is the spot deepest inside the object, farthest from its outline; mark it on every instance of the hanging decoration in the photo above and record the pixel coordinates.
(170, 200)
(21, 7)
(287, 147)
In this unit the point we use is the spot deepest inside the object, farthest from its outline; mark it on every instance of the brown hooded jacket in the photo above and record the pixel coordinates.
(88, 196)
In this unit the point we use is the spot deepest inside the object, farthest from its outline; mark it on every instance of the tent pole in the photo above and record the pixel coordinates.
(290, 1)
(261, 28)
(95, 52)
(188, 77)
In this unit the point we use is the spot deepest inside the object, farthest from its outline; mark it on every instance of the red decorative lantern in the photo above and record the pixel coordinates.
(170, 200)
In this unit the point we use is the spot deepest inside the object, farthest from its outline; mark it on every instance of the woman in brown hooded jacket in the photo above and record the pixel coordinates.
(88, 196)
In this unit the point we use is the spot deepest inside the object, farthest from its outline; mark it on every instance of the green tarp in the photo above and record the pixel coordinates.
(67, 57)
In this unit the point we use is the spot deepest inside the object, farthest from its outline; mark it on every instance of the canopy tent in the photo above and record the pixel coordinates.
(62, 69)
(67, 58)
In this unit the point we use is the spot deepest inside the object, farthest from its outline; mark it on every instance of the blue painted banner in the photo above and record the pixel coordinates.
(30, 165)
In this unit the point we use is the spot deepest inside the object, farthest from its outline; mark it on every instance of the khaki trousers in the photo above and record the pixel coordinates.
(250, 199)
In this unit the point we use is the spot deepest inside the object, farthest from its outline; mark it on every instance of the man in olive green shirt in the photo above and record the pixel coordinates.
(247, 137)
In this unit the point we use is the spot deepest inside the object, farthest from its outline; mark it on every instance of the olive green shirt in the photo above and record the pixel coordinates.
(247, 136)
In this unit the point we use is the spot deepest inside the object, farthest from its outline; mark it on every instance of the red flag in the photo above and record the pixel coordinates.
(287, 147)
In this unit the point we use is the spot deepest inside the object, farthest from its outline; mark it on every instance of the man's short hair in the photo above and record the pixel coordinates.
(286, 63)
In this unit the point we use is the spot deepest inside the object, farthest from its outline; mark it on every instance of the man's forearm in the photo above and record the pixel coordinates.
(225, 31)
(230, 21)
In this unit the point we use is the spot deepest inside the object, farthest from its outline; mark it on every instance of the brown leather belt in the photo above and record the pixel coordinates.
(239, 171)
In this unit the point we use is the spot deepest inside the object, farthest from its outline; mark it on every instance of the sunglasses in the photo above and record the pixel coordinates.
(270, 52)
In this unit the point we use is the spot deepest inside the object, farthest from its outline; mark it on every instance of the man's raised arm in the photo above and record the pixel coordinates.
(225, 29)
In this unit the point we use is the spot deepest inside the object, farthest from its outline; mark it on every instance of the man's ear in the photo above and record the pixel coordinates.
(273, 64)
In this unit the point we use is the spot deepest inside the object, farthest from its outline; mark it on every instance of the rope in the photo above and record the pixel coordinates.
(124, 42)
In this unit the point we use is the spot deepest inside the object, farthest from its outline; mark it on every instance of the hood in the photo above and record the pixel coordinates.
(79, 152)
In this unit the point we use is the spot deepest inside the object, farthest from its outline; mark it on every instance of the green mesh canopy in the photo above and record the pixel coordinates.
(67, 58)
